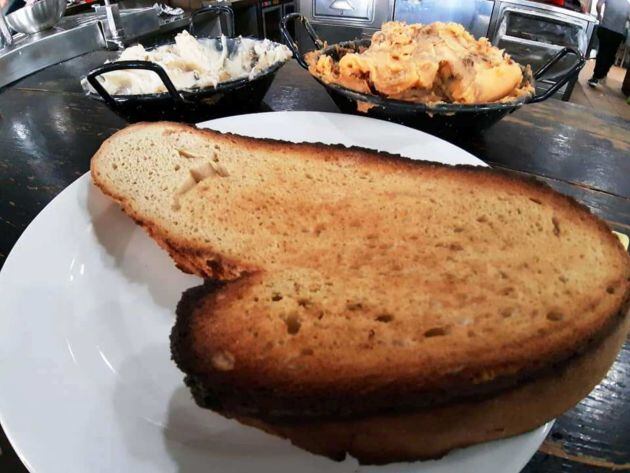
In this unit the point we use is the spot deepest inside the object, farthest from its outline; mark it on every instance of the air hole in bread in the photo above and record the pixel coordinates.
(177, 167)
(482, 219)
(318, 229)
(506, 313)
(436, 332)
(201, 172)
(114, 166)
(303, 302)
(186, 185)
(384, 318)
(307, 352)
(610, 289)
(293, 324)
(555, 316)
(352, 306)
(556, 226)
(220, 170)
(276, 297)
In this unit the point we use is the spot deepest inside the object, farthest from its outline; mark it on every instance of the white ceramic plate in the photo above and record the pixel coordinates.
(86, 308)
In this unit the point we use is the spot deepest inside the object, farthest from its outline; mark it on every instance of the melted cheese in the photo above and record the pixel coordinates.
(440, 62)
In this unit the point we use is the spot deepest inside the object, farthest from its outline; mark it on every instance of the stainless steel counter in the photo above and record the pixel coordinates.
(74, 36)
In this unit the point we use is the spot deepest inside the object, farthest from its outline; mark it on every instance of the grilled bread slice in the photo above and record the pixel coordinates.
(224, 205)
(342, 365)
(382, 390)
(371, 289)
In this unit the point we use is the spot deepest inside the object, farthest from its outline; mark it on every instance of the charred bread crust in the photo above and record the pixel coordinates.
(228, 393)
(430, 433)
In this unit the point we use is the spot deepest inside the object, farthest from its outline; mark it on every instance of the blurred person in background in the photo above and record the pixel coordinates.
(610, 32)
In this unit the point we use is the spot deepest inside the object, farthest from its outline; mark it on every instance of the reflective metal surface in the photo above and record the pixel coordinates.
(532, 32)
(362, 14)
(76, 35)
(358, 9)
(37, 17)
(5, 34)
(473, 14)
(29, 54)
(553, 9)
(112, 27)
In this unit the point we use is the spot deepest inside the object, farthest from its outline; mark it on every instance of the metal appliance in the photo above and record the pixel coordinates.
(112, 27)
(344, 20)
(532, 32)
(21, 55)
(271, 12)
(37, 17)
(6, 38)
(475, 15)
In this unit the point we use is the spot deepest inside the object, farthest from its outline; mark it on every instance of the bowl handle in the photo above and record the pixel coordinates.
(123, 65)
(291, 43)
(579, 64)
(218, 10)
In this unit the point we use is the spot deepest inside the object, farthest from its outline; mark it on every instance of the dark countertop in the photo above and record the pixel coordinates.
(49, 131)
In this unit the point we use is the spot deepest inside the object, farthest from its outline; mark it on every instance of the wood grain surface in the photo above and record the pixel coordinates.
(49, 130)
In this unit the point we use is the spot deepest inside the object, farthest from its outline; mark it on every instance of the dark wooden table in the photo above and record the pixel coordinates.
(49, 130)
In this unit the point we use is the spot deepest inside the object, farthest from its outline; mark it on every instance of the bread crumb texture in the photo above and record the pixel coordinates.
(352, 268)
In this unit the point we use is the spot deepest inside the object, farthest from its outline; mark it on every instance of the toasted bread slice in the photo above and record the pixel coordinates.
(430, 432)
(224, 205)
(335, 367)
(303, 343)
(358, 284)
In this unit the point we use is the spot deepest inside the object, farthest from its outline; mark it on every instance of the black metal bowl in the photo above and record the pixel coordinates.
(227, 98)
(446, 118)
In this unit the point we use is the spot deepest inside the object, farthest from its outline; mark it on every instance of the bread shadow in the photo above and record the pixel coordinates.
(163, 428)
(200, 440)
(134, 253)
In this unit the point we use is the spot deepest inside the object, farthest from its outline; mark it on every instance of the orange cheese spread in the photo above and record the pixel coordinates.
(440, 62)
